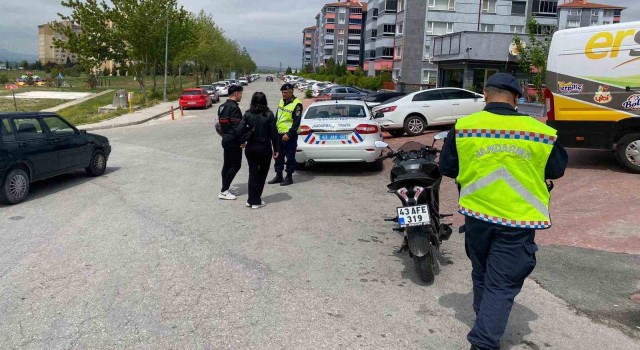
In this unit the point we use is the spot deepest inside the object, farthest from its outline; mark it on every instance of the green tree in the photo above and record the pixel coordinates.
(534, 54)
(7, 64)
(24, 64)
(288, 71)
(37, 65)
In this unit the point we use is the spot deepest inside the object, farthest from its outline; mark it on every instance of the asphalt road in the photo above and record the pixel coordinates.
(147, 257)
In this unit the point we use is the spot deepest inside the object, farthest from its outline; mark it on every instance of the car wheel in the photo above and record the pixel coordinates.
(396, 133)
(628, 152)
(414, 125)
(98, 164)
(15, 187)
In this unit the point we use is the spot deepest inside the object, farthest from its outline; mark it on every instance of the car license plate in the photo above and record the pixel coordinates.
(191, 103)
(413, 216)
(329, 137)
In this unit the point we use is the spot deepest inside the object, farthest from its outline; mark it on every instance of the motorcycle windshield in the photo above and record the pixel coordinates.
(411, 146)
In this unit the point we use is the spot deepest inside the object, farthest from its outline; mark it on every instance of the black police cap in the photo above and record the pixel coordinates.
(286, 87)
(504, 81)
(235, 88)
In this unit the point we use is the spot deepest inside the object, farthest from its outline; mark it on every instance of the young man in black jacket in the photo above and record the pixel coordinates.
(232, 127)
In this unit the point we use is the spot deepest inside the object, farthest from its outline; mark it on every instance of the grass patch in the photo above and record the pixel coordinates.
(27, 104)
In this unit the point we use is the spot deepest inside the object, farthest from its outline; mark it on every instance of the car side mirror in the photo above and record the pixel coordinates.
(379, 115)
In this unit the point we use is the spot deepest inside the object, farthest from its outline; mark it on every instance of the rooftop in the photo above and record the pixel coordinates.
(584, 4)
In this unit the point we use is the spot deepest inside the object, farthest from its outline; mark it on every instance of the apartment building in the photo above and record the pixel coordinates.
(47, 51)
(307, 45)
(339, 27)
(582, 13)
(379, 37)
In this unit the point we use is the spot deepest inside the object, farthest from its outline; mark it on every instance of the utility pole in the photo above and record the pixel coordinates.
(166, 56)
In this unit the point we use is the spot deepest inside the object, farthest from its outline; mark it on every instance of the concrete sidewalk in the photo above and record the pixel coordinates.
(75, 102)
(137, 117)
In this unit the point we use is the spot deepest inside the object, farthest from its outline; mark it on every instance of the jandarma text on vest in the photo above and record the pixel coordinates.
(504, 148)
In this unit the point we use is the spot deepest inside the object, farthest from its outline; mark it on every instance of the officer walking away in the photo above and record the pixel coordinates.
(288, 121)
(500, 160)
(232, 127)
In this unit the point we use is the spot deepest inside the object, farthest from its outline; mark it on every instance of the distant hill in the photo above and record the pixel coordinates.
(267, 69)
(6, 55)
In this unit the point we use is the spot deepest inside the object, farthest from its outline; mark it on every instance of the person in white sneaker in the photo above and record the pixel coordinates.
(262, 145)
(232, 129)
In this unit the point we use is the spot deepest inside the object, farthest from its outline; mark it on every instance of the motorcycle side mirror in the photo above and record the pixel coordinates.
(381, 144)
(379, 115)
(441, 135)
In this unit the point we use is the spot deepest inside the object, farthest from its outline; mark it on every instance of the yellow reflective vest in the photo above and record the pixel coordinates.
(502, 163)
(284, 119)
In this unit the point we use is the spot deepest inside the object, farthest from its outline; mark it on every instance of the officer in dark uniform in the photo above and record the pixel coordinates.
(232, 128)
(500, 160)
(287, 121)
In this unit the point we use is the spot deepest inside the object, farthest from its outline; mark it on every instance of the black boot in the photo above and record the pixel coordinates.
(287, 181)
(276, 180)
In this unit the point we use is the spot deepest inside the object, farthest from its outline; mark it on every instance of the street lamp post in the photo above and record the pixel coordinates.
(166, 57)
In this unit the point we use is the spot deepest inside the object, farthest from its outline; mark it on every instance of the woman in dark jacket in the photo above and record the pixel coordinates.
(262, 145)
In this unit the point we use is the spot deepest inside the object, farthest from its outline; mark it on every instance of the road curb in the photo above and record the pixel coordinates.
(137, 122)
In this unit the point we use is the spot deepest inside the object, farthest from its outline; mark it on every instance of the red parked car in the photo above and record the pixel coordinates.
(195, 97)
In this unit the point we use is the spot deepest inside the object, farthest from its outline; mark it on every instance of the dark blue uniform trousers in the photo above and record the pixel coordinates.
(288, 150)
(502, 258)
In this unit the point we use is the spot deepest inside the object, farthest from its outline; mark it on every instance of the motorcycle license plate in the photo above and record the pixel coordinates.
(413, 216)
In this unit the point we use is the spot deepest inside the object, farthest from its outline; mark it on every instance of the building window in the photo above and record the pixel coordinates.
(517, 29)
(375, 13)
(429, 76)
(328, 42)
(575, 12)
(595, 12)
(594, 23)
(608, 13)
(427, 48)
(331, 9)
(573, 24)
(355, 10)
(489, 6)
(398, 52)
(439, 28)
(443, 5)
(354, 41)
(387, 52)
(355, 21)
(486, 27)
(519, 8)
(341, 31)
(340, 42)
(331, 20)
(543, 29)
(391, 6)
(353, 52)
(548, 7)
(374, 34)
(606, 22)
(372, 54)
(330, 31)
(389, 30)
(355, 31)
(342, 10)
(400, 5)
(342, 19)
(400, 28)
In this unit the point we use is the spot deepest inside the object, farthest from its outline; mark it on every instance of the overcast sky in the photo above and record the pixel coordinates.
(270, 29)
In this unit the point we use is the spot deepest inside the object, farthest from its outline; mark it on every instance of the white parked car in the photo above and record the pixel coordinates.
(414, 112)
(339, 131)
(222, 87)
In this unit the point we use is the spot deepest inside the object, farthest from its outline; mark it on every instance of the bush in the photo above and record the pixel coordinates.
(4, 79)
(308, 93)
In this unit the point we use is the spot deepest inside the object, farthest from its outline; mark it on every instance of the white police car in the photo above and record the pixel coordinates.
(341, 131)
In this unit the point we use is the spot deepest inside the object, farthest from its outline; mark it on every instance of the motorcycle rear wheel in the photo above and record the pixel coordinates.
(425, 268)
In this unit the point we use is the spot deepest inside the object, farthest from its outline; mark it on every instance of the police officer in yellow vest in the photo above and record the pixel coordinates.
(287, 121)
(500, 160)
